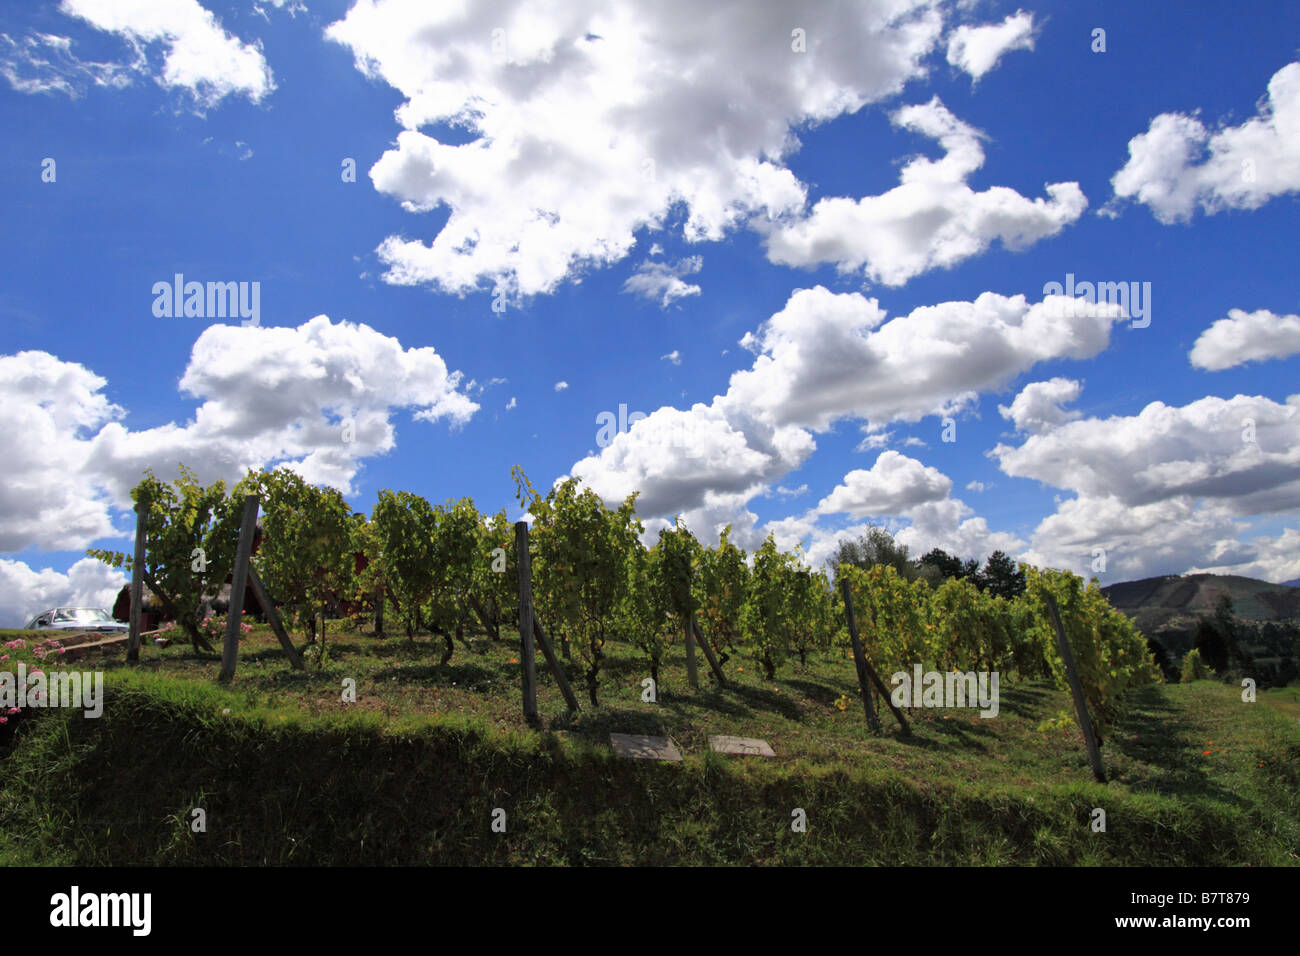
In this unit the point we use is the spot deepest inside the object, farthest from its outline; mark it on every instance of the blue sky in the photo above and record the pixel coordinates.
(695, 214)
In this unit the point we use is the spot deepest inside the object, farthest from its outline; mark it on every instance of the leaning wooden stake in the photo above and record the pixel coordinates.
(273, 618)
(527, 653)
(544, 642)
(859, 657)
(708, 651)
(1076, 691)
(137, 581)
(692, 675)
(238, 582)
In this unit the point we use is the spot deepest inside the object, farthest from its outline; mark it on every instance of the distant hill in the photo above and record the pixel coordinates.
(1156, 601)
(1293, 583)
(1167, 609)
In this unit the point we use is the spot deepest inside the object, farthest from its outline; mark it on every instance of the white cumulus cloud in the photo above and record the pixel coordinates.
(823, 358)
(932, 219)
(894, 484)
(593, 119)
(978, 49)
(659, 280)
(319, 400)
(1243, 452)
(1178, 164)
(1246, 337)
(1039, 405)
(201, 57)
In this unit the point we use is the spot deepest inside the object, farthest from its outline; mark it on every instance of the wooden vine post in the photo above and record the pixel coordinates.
(238, 585)
(137, 581)
(527, 653)
(859, 657)
(1076, 691)
(533, 635)
(708, 651)
(692, 675)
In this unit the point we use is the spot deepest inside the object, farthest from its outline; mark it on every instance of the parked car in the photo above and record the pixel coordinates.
(77, 619)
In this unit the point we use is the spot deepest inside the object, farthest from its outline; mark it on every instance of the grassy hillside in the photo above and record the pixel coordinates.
(411, 773)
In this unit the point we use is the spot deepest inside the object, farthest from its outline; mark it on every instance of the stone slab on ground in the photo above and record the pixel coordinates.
(641, 747)
(741, 745)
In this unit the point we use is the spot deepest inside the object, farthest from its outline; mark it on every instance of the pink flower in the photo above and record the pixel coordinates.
(63, 650)
(36, 671)
(4, 720)
(4, 658)
(12, 710)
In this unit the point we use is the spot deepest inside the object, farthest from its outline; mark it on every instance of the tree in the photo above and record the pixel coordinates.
(1161, 656)
(1001, 577)
(1193, 668)
(1211, 645)
(947, 564)
(1225, 619)
(876, 547)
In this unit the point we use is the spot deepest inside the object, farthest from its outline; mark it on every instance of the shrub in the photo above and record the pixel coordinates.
(1194, 668)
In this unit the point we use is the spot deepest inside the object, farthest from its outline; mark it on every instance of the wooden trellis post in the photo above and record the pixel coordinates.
(692, 675)
(238, 584)
(708, 651)
(527, 653)
(860, 658)
(137, 581)
(1076, 691)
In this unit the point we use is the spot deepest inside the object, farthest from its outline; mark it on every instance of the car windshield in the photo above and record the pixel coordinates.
(82, 615)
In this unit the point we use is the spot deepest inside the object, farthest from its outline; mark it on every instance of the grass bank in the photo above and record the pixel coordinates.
(286, 773)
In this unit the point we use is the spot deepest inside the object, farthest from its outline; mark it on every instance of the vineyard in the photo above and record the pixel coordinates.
(394, 732)
(450, 570)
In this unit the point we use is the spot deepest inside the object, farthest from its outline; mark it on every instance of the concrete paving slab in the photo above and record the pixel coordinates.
(641, 747)
(741, 745)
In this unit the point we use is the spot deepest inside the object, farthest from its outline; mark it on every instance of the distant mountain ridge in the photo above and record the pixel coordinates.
(1154, 603)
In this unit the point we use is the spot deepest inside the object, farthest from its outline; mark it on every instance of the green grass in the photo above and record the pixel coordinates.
(412, 771)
